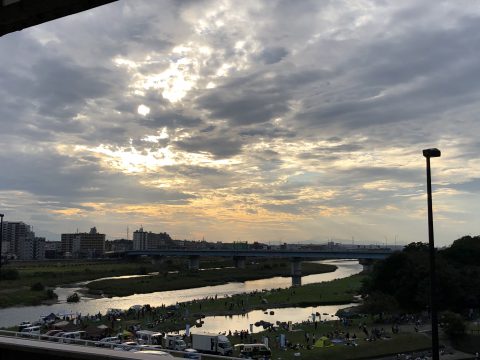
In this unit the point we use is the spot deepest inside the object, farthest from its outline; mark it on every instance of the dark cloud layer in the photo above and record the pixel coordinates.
(316, 108)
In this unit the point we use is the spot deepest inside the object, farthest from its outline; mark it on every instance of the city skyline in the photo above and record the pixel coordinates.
(260, 121)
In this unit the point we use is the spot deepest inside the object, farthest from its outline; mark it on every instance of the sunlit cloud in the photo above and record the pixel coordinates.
(213, 119)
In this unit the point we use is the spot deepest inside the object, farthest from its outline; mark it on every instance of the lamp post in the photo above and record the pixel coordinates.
(429, 153)
(1, 240)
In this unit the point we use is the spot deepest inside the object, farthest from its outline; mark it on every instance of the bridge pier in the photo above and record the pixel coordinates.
(239, 262)
(367, 264)
(158, 260)
(193, 262)
(296, 271)
(296, 267)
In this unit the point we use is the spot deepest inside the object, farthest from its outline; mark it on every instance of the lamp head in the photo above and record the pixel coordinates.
(1, 215)
(429, 153)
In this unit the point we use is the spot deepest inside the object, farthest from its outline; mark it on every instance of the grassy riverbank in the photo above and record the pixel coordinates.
(340, 291)
(16, 292)
(405, 341)
(192, 279)
(333, 292)
(170, 319)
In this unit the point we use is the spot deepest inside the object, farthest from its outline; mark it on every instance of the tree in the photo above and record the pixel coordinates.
(465, 250)
(453, 324)
(379, 303)
(405, 276)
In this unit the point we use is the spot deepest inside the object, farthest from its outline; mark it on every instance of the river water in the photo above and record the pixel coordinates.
(14, 315)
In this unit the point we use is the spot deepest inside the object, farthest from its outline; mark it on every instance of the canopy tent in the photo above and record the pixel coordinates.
(323, 342)
(125, 334)
(97, 332)
(61, 324)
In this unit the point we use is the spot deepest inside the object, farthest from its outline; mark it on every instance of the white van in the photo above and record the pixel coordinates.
(70, 337)
(146, 337)
(254, 351)
(30, 331)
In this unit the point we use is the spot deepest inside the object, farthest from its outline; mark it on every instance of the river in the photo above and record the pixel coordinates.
(14, 315)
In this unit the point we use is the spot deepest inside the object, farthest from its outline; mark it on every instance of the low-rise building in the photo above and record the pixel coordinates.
(143, 240)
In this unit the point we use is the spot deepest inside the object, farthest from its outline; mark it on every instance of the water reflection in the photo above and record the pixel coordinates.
(13, 316)
(218, 324)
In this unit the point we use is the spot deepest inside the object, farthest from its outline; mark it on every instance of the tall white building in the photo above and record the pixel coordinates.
(21, 241)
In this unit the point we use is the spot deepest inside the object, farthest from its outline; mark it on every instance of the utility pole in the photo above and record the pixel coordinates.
(1, 240)
(429, 153)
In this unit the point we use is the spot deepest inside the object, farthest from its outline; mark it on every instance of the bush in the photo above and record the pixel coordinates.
(142, 270)
(73, 298)
(9, 274)
(37, 287)
(453, 324)
(51, 294)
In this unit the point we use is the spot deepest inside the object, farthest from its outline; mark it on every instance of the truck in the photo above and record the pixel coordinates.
(174, 342)
(212, 344)
(146, 337)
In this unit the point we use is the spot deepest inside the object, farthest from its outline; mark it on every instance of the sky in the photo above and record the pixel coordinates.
(270, 121)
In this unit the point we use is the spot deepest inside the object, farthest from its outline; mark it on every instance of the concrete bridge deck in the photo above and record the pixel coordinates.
(373, 254)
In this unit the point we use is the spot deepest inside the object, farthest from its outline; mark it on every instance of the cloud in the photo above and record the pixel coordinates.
(308, 120)
(273, 55)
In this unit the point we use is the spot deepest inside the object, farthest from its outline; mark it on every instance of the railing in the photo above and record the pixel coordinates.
(105, 345)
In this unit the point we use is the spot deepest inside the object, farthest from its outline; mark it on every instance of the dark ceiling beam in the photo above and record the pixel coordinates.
(16, 15)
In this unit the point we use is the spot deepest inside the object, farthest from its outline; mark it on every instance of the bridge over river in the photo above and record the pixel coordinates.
(366, 256)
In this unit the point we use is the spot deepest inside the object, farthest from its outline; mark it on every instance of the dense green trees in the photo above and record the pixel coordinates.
(405, 276)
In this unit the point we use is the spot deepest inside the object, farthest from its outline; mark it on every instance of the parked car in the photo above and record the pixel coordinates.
(50, 333)
(127, 346)
(150, 347)
(71, 337)
(158, 353)
(254, 351)
(23, 325)
(108, 341)
(30, 331)
(192, 354)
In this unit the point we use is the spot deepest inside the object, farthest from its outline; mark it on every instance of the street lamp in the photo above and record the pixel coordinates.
(429, 153)
(1, 240)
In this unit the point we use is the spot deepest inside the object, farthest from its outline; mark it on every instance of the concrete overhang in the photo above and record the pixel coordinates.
(16, 15)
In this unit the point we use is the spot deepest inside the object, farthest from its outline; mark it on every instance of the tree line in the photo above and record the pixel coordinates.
(402, 280)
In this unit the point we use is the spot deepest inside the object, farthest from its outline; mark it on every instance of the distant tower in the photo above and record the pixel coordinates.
(128, 233)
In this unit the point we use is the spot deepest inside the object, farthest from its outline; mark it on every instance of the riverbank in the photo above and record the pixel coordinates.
(335, 292)
(174, 318)
(407, 340)
(194, 279)
(17, 291)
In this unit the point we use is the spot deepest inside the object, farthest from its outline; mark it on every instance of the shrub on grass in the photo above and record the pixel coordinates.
(51, 294)
(73, 298)
(38, 286)
(453, 324)
(9, 274)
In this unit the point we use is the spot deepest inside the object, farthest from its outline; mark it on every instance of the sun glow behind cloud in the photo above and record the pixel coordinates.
(211, 118)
